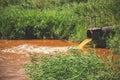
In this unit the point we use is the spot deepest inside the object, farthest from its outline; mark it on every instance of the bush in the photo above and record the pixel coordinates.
(6, 3)
(40, 4)
(51, 19)
(114, 40)
(71, 67)
(25, 24)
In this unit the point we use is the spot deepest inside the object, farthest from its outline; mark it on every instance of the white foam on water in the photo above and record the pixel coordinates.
(26, 48)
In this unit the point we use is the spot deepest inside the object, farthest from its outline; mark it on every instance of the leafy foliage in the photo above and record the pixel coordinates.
(71, 67)
(34, 23)
(51, 19)
(114, 40)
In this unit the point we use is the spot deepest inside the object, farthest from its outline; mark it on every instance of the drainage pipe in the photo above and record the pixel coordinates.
(97, 33)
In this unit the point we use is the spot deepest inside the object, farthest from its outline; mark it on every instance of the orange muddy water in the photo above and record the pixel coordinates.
(82, 44)
(55, 43)
(11, 64)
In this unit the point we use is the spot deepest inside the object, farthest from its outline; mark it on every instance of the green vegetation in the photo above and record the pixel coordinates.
(72, 67)
(63, 19)
(51, 19)
(34, 23)
(114, 41)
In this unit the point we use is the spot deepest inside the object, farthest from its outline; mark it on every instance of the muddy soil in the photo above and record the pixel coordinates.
(11, 63)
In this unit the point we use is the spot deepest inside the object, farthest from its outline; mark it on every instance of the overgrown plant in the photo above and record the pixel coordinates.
(114, 40)
(75, 66)
(49, 19)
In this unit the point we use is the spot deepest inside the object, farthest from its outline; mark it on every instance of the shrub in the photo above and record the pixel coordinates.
(25, 24)
(6, 3)
(114, 40)
(71, 67)
(49, 19)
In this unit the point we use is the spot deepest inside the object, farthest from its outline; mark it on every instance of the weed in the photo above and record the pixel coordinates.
(72, 67)
(114, 41)
(51, 19)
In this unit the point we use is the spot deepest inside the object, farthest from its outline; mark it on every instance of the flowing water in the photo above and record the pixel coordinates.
(13, 54)
(85, 42)
(35, 46)
(11, 66)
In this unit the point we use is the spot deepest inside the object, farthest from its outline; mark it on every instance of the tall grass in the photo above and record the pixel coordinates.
(49, 19)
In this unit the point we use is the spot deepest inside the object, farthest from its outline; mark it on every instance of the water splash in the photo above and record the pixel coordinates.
(82, 44)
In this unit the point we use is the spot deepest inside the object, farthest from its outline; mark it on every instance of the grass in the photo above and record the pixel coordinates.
(75, 66)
